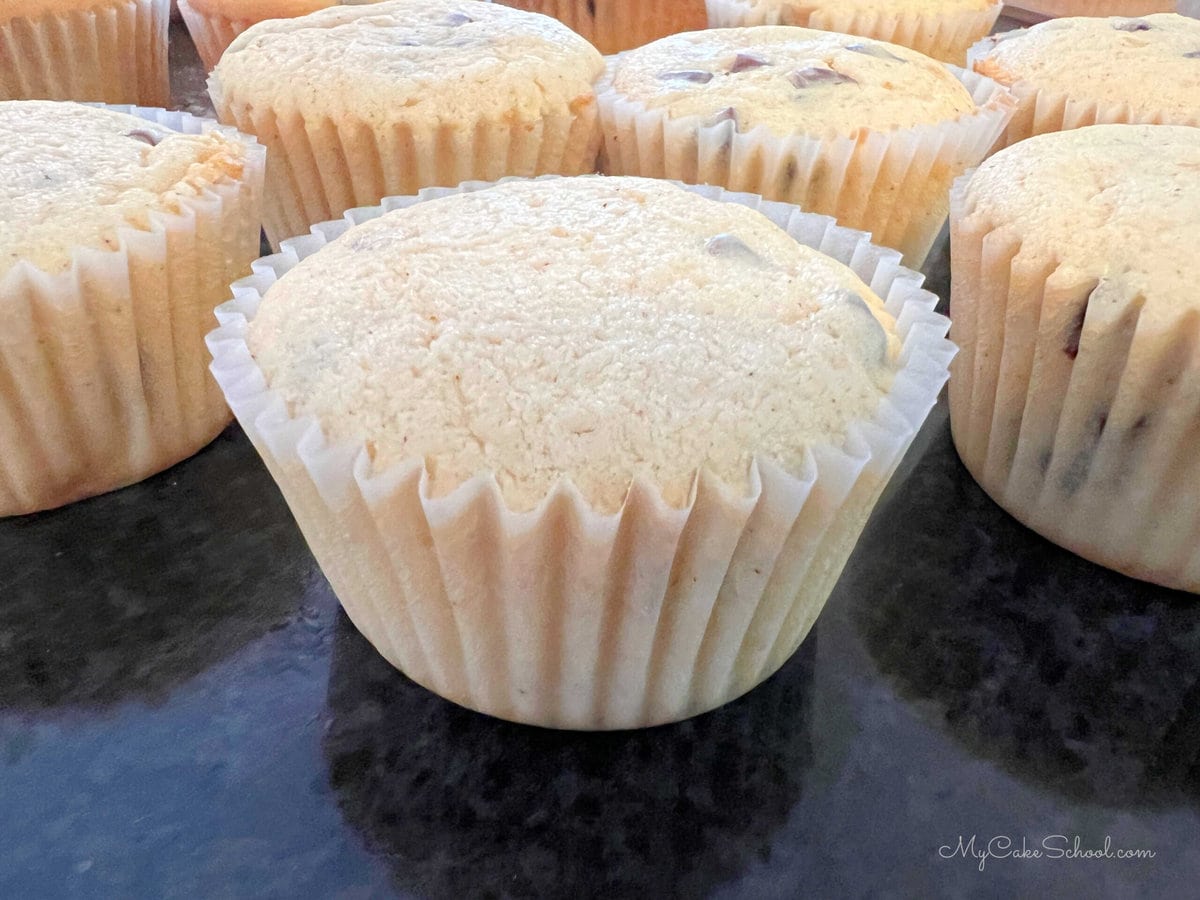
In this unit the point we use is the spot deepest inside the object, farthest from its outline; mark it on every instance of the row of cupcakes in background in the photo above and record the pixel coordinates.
(115, 51)
(497, 629)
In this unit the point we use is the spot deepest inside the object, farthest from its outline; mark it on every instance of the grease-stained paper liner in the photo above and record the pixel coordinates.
(893, 184)
(945, 36)
(1040, 111)
(318, 169)
(103, 371)
(615, 25)
(211, 33)
(112, 52)
(562, 616)
(1080, 422)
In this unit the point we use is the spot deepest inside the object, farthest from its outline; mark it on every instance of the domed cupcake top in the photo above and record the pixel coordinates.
(412, 59)
(74, 175)
(1115, 203)
(590, 328)
(792, 80)
(1151, 63)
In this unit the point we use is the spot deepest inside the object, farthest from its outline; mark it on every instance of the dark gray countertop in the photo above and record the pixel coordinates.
(184, 712)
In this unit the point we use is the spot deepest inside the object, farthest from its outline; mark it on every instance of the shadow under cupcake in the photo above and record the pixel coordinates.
(130, 594)
(466, 805)
(1065, 673)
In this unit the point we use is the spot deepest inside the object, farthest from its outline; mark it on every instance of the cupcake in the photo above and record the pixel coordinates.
(870, 133)
(357, 103)
(118, 236)
(583, 453)
(1062, 72)
(943, 29)
(616, 25)
(112, 51)
(213, 24)
(1076, 400)
(1056, 8)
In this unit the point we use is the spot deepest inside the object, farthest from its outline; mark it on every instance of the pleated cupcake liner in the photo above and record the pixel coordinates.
(1079, 421)
(112, 52)
(103, 370)
(893, 184)
(211, 33)
(319, 168)
(563, 616)
(615, 25)
(945, 36)
(1041, 111)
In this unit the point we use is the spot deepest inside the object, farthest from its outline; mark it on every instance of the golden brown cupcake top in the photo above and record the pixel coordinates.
(1117, 204)
(74, 175)
(791, 80)
(591, 328)
(1151, 63)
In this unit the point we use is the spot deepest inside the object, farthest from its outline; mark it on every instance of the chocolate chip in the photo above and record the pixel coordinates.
(1192, 54)
(811, 75)
(694, 75)
(145, 137)
(591, 8)
(728, 114)
(1132, 25)
(456, 18)
(729, 246)
(873, 50)
(744, 61)
(1075, 330)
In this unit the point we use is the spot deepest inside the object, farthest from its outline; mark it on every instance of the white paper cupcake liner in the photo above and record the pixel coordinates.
(945, 36)
(212, 34)
(1189, 8)
(317, 170)
(615, 25)
(893, 184)
(103, 370)
(112, 52)
(1041, 111)
(1083, 429)
(562, 616)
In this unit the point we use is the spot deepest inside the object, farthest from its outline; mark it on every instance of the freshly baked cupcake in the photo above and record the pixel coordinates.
(357, 103)
(943, 29)
(870, 133)
(1076, 400)
(584, 452)
(1062, 72)
(616, 25)
(119, 235)
(112, 51)
(213, 24)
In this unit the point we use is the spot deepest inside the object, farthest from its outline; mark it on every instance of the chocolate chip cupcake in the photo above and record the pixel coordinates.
(119, 235)
(943, 29)
(111, 51)
(356, 103)
(1062, 72)
(1076, 400)
(616, 25)
(870, 133)
(583, 452)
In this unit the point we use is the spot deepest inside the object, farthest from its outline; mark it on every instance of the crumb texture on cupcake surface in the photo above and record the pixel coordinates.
(1115, 202)
(1151, 63)
(804, 8)
(791, 80)
(436, 60)
(597, 329)
(74, 175)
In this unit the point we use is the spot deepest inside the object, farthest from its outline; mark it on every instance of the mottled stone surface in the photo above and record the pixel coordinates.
(185, 713)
